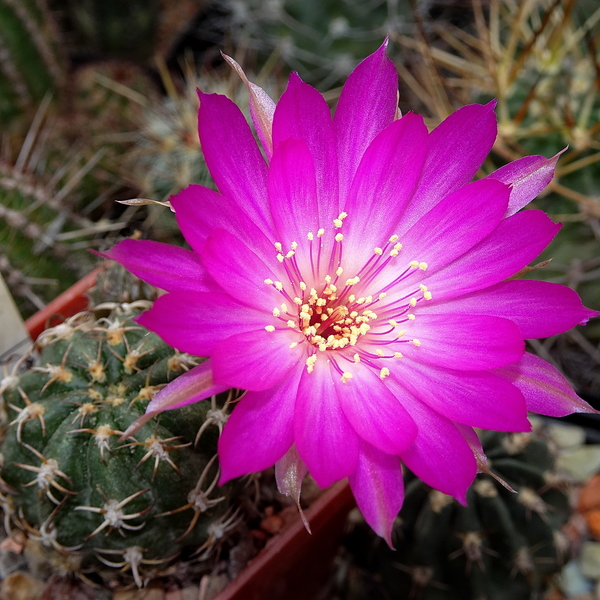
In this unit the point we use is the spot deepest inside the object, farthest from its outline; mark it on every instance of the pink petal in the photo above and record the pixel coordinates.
(384, 183)
(378, 486)
(257, 360)
(515, 243)
(199, 211)
(259, 431)
(440, 456)
(473, 440)
(540, 309)
(290, 470)
(162, 265)
(456, 224)
(303, 114)
(375, 414)
(463, 342)
(476, 398)
(262, 108)
(239, 271)
(197, 322)
(194, 385)
(325, 439)
(233, 158)
(547, 392)
(293, 192)
(367, 105)
(457, 148)
(527, 176)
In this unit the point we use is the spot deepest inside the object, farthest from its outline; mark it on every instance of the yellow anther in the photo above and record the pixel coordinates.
(398, 246)
(298, 301)
(353, 314)
(353, 280)
(422, 287)
(384, 373)
(368, 300)
(342, 215)
(411, 317)
(339, 237)
(394, 252)
(382, 295)
(269, 281)
(356, 358)
(339, 271)
(310, 363)
(346, 376)
(284, 307)
(423, 266)
(379, 352)
(398, 355)
(394, 239)
(280, 257)
(360, 301)
(278, 286)
(276, 312)
(401, 333)
(302, 286)
(270, 328)
(310, 236)
(321, 302)
(293, 345)
(294, 245)
(414, 264)
(337, 223)
(351, 298)
(416, 342)
(320, 232)
(427, 295)
(291, 324)
(393, 322)
(328, 279)
(378, 251)
(278, 246)
(290, 254)
(413, 302)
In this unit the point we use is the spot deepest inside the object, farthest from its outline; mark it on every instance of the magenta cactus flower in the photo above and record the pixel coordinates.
(351, 276)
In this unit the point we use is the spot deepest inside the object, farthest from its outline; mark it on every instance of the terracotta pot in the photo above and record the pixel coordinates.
(294, 563)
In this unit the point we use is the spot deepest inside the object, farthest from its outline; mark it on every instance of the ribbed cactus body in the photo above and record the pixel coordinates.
(67, 479)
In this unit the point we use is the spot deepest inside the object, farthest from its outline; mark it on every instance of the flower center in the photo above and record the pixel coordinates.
(330, 314)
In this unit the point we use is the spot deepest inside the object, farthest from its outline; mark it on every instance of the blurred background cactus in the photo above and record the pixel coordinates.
(503, 545)
(32, 61)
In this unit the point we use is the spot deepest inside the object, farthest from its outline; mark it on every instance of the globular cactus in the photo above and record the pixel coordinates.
(73, 487)
(503, 546)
